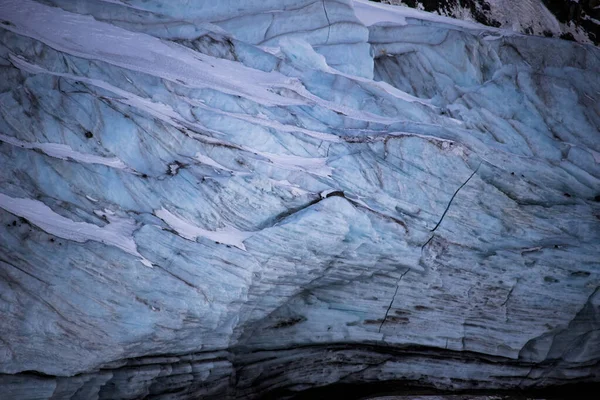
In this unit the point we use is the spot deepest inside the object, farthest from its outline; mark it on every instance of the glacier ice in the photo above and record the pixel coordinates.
(237, 199)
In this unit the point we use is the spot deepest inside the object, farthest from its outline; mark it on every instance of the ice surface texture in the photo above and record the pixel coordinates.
(216, 199)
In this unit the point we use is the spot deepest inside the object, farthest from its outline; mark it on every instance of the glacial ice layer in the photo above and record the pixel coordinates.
(237, 199)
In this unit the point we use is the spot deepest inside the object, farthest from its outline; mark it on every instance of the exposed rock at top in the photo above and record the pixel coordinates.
(577, 20)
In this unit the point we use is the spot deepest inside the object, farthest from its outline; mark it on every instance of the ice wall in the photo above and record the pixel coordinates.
(189, 210)
(330, 26)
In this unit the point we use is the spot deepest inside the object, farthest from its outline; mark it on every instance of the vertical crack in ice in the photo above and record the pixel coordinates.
(426, 243)
(393, 299)
(453, 196)
(328, 23)
(505, 303)
(509, 294)
(448, 206)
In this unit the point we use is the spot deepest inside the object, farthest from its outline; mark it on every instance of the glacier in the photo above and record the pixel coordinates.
(246, 199)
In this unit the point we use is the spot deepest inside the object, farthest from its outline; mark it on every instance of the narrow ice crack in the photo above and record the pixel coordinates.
(328, 23)
(393, 299)
(509, 294)
(448, 206)
(453, 196)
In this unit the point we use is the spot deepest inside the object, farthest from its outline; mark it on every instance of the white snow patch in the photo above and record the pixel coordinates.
(316, 166)
(173, 168)
(211, 163)
(370, 13)
(83, 36)
(228, 235)
(117, 233)
(295, 190)
(64, 152)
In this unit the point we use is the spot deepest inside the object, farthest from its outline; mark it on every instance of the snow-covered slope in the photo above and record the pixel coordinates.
(237, 199)
(577, 20)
